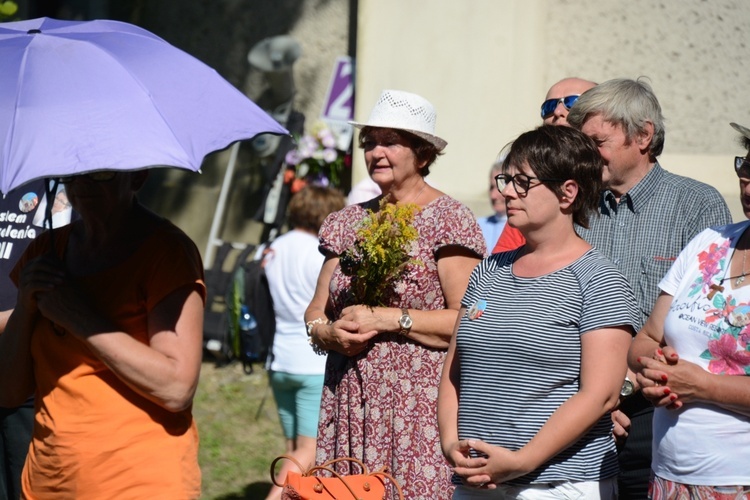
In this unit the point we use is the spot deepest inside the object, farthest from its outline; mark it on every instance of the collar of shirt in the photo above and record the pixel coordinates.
(638, 195)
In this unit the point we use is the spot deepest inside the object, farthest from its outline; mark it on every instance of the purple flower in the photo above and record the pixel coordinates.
(307, 146)
(292, 157)
(320, 180)
(326, 138)
(330, 155)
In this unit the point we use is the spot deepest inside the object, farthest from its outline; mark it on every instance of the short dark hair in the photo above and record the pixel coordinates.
(423, 150)
(312, 204)
(558, 152)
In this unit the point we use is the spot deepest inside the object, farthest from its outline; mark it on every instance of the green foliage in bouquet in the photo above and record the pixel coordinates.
(8, 9)
(380, 255)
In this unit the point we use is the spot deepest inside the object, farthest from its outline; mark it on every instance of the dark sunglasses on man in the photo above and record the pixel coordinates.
(549, 106)
(742, 167)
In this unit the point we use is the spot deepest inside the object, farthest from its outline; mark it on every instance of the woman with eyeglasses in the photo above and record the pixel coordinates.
(107, 334)
(539, 354)
(692, 360)
(561, 97)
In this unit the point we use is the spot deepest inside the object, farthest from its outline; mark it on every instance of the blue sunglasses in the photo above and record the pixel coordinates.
(548, 106)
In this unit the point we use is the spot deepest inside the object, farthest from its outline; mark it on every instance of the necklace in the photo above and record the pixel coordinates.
(740, 278)
(425, 185)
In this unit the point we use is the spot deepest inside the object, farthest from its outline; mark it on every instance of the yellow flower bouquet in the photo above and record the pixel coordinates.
(380, 254)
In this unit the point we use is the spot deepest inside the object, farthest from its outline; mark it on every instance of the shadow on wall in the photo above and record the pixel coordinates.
(220, 34)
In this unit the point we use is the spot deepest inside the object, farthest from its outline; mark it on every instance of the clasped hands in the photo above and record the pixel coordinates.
(352, 332)
(494, 465)
(668, 381)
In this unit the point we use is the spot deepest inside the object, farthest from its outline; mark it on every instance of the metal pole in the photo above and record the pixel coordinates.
(213, 240)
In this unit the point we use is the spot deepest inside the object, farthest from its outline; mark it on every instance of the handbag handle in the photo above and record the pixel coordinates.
(327, 467)
(336, 475)
(330, 463)
(384, 472)
(309, 471)
(291, 459)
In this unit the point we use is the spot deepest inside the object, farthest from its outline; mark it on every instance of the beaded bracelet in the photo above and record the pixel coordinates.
(315, 347)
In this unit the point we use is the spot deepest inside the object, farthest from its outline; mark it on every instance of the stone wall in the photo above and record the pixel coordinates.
(693, 51)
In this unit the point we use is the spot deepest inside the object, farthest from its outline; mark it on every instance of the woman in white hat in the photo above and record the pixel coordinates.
(380, 394)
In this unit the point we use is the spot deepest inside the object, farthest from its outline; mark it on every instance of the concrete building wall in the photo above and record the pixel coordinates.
(486, 66)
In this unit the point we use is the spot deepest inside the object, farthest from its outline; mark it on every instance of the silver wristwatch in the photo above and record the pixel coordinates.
(405, 322)
(628, 388)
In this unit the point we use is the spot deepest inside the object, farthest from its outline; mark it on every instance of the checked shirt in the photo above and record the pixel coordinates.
(644, 233)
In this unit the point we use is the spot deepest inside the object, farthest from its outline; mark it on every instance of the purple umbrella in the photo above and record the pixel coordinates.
(79, 96)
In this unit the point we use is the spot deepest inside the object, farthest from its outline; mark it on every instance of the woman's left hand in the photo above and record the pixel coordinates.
(371, 319)
(459, 454)
(672, 383)
(502, 465)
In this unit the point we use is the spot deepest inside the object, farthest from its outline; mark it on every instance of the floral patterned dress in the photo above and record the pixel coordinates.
(381, 405)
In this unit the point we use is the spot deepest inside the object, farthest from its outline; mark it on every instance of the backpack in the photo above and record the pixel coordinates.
(252, 322)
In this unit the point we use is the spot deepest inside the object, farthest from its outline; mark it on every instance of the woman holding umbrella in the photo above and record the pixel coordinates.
(107, 334)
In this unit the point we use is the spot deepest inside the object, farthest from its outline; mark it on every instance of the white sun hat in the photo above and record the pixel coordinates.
(405, 111)
(742, 130)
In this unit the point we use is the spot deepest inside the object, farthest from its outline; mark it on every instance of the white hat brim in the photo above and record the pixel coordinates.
(742, 130)
(432, 139)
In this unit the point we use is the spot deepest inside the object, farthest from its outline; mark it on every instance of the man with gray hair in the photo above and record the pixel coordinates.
(647, 215)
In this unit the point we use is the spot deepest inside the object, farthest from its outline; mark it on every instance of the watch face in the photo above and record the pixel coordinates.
(405, 322)
(627, 389)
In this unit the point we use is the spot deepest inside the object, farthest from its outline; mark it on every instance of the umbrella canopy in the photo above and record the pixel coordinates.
(79, 96)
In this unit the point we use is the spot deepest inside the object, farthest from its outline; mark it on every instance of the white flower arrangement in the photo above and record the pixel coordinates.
(316, 159)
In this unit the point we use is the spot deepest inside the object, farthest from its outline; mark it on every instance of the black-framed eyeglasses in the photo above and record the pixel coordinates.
(742, 166)
(521, 182)
(548, 106)
(100, 176)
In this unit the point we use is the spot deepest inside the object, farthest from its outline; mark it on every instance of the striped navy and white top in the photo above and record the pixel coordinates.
(519, 350)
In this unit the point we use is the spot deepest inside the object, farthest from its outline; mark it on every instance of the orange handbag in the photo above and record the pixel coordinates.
(307, 486)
